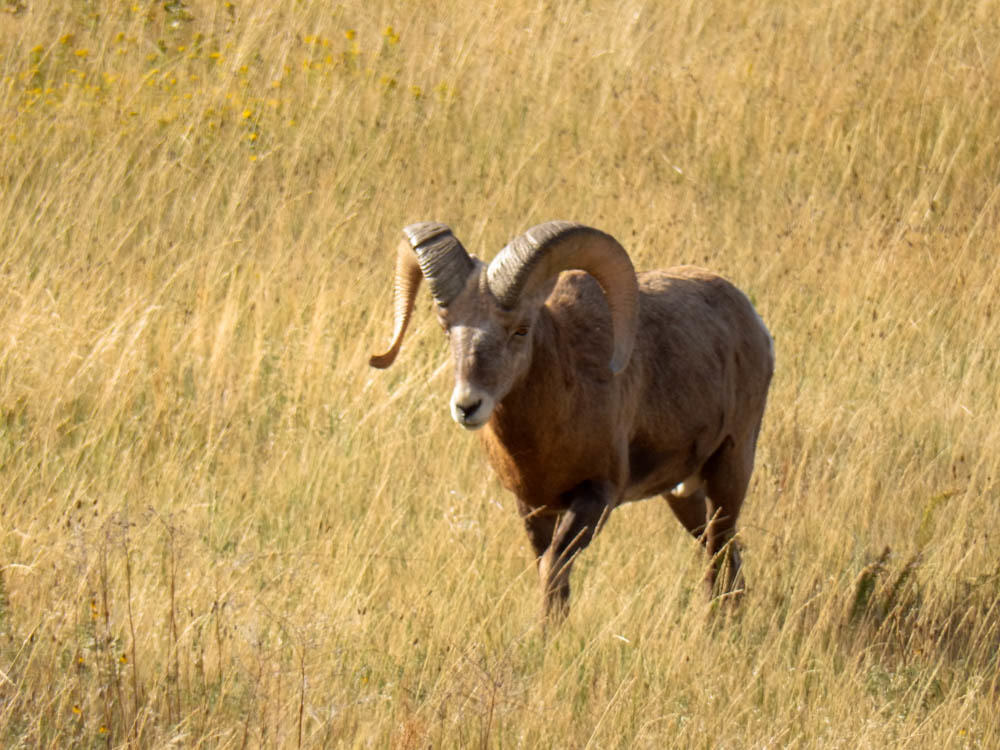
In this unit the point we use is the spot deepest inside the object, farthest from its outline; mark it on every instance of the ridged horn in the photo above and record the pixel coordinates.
(443, 260)
(542, 252)
(430, 250)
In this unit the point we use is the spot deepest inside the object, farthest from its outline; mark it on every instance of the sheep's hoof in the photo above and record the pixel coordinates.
(555, 605)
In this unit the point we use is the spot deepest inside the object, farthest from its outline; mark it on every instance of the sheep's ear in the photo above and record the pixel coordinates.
(542, 252)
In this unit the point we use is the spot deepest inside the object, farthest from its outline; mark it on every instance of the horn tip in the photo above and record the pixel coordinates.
(382, 361)
(620, 361)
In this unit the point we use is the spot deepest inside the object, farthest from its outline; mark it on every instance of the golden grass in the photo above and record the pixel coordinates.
(219, 528)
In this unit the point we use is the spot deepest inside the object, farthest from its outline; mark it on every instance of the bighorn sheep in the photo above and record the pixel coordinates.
(676, 413)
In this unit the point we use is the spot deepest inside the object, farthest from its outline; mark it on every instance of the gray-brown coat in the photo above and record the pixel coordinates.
(569, 437)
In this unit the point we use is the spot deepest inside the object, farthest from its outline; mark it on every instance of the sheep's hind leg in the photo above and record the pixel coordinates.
(691, 510)
(573, 532)
(708, 524)
(727, 477)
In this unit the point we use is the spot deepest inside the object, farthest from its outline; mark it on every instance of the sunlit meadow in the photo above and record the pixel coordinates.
(220, 528)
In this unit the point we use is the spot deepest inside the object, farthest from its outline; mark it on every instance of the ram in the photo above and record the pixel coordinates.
(593, 386)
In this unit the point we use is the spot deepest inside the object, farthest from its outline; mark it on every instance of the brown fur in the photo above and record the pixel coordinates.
(699, 373)
(572, 441)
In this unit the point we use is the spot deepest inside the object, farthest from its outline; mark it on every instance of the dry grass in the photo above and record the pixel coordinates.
(218, 528)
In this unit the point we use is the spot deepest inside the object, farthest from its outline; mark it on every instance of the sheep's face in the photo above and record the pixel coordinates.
(490, 349)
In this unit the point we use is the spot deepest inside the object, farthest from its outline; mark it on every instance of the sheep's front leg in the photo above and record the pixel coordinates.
(540, 523)
(576, 527)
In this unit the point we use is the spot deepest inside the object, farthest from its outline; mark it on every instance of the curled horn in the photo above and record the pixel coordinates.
(543, 251)
(430, 250)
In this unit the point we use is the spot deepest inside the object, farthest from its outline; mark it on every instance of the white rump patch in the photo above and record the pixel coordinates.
(688, 487)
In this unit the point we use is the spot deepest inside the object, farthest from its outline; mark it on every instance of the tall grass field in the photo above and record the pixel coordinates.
(219, 528)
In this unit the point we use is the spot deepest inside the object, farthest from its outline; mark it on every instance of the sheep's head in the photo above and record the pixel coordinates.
(488, 312)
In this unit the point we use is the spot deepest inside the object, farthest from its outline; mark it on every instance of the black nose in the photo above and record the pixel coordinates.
(467, 410)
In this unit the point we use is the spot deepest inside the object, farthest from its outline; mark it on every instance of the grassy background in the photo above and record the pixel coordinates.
(219, 528)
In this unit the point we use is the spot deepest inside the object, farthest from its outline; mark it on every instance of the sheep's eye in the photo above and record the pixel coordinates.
(521, 331)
